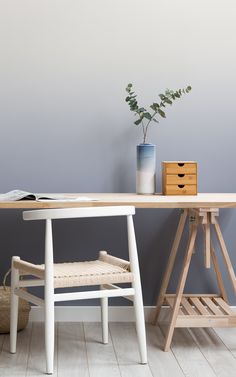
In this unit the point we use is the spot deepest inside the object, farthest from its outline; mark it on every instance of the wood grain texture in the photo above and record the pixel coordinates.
(102, 361)
(180, 287)
(181, 189)
(228, 337)
(170, 265)
(2, 336)
(72, 353)
(16, 364)
(190, 358)
(36, 358)
(222, 362)
(195, 353)
(181, 179)
(209, 200)
(124, 340)
(162, 364)
(179, 167)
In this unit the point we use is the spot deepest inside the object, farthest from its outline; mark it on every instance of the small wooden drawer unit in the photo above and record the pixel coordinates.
(179, 178)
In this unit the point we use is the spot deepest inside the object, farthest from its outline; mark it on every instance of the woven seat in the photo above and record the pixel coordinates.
(106, 270)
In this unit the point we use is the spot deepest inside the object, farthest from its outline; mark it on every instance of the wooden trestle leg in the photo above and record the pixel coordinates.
(198, 310)
(225, 254)
(180, 289)
(170, 265)
(218, 274)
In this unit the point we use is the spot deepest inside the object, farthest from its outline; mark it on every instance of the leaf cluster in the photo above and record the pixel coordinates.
(145, 117)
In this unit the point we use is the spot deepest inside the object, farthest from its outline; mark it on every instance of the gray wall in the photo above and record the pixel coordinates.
(65, 126)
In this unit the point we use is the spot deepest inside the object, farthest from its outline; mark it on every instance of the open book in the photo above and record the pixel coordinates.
(15, 195)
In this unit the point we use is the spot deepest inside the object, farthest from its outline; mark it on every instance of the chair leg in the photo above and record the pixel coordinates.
(49, 333)
(140, 325)
(138, 298)
(49, 299)
(14, 307)
(104, 316)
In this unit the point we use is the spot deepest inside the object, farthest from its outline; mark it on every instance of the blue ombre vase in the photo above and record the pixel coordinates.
(146, 169)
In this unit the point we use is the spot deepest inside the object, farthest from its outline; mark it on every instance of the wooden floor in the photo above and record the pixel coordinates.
(79, 352)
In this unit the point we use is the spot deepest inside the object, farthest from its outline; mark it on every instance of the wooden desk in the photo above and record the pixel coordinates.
(139, 201)
(197, 310)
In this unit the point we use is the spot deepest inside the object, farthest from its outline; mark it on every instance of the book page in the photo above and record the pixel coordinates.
(15, 195)
(62, 198)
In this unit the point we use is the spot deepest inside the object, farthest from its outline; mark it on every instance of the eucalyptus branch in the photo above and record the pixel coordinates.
(166, 99)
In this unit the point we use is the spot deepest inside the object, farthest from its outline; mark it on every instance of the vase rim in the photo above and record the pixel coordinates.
(146, 144)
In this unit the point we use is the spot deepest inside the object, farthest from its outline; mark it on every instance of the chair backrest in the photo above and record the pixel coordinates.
(66, 213)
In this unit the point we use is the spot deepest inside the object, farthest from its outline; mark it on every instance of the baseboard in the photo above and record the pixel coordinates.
(92, 313)
(88, 313)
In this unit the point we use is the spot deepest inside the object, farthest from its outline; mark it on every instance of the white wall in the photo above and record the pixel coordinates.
(64, 66)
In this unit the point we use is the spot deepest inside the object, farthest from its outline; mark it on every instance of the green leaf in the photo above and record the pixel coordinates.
(147, 115)
(162, 96)
(142, 109)
(188, 88)
(167, 100)
(154, 106)
(155, 120)
(137, 122)
(127, 99)
(162, 114)
(169, 92)
(128, 88)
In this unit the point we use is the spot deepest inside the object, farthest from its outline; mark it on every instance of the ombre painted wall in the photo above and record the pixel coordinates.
(65, 126)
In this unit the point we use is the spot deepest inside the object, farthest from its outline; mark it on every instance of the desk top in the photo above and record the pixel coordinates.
(208, 200)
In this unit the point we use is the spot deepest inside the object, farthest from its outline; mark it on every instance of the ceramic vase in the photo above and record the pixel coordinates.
(146, 169)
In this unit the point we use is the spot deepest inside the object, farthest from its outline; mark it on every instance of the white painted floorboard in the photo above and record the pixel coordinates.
(36, 361)
(190, 358)
(221, 360)
(102, 361)
(126, 348)
(228, 337)
(162, 364)
(71, 350)
(80, 352)
(16, 364)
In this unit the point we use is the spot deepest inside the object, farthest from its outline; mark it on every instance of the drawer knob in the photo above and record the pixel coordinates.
(181, 175)
(181, 186)
(180, 163)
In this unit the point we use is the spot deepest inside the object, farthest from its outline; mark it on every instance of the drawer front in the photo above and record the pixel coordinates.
(181, 179)
(181, 190)
(180, 168)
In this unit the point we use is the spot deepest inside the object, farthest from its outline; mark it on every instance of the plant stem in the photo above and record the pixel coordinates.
(144, 136)
(146, 128)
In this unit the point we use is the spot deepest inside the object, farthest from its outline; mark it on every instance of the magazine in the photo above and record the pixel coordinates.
(15, 195)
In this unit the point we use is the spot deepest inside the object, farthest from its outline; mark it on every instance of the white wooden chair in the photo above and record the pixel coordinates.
(106, 272)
